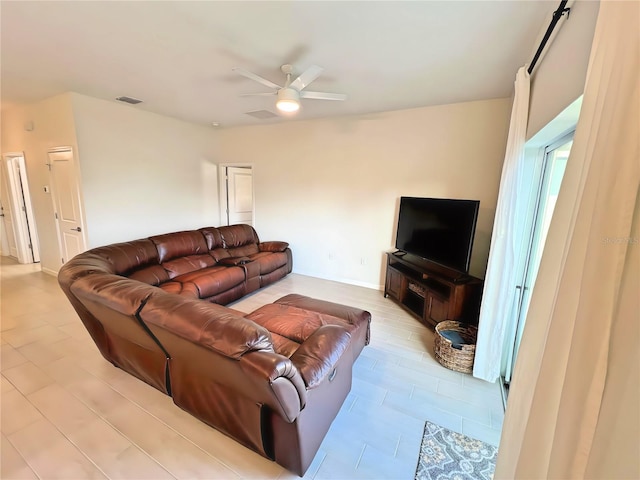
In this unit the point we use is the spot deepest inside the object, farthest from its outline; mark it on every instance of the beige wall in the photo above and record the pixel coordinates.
(559, 78)
(143, 173)
(331, 187)
(53, 126)
(341, 179)
(140, 173)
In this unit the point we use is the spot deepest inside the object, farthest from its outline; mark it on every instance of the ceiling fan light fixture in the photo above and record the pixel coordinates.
(288, 97)
(288, 100)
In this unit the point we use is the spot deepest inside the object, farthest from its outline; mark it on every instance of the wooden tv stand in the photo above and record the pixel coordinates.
(430, 292)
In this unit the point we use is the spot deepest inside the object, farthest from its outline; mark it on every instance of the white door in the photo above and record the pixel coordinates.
(9, 236)
(65, 193)
(239, 195)
(19, 206)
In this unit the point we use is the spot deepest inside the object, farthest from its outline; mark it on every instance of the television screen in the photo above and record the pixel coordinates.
(438, 230)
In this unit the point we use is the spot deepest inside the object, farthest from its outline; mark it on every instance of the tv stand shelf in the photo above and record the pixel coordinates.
(432, 293)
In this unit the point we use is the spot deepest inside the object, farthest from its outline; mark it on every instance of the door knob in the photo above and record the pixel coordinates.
(77, 229)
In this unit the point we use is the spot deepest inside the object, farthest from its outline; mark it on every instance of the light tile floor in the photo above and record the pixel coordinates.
(68, 413)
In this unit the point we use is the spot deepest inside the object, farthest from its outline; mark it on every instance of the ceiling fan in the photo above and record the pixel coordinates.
(289, 95)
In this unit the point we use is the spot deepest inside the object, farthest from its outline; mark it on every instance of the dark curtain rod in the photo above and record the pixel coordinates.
(557, 15)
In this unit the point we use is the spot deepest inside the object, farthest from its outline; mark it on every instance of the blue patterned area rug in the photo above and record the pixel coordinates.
(447, 455)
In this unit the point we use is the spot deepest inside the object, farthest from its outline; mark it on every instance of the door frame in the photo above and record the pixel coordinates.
(22, 216)
(8, 232)
(224, 197)
(76, 179)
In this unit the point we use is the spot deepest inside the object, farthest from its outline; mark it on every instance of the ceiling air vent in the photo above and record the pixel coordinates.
(132, 101)
(262, 114)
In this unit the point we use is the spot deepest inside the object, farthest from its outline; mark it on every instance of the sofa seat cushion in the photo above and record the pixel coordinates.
(213, 280)
(184, 289)
(356, 317)
(243, 251)
(190, 263)
(151, 275)
(284, 346)
(269, 261)
(293, 323)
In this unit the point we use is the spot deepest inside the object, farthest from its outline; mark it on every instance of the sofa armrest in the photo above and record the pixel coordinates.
(233, 261)
(317, 357)
(217, 346)
(281, 375)
(273, 246)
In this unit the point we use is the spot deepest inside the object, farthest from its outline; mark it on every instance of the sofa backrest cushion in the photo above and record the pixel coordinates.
(179, 244)
(240, 240)
(137, 260)
(119, 294)
(215, 243)
(128, 257)
(209, 325)
(213, 237)
(182, 252)
(114, 302)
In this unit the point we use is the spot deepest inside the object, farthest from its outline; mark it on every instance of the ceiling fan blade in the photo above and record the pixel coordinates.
(256, 78)
(270, 94)
(306, 77)
(323, 96)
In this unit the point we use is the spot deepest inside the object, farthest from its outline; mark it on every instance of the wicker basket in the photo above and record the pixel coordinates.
(460, 360)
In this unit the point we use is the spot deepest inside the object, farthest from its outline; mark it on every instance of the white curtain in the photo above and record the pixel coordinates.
(500, 279)
(573, 408)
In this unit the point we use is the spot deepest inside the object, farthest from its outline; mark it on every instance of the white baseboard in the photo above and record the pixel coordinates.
(360, 284)
(48, 271)
(343, 280)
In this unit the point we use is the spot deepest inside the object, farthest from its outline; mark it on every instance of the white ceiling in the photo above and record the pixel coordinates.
(178, 56)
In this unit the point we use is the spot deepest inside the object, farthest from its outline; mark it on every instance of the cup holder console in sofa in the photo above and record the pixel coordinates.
(273, 379)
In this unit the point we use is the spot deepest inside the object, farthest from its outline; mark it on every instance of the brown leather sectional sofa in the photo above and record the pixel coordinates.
(273, 379)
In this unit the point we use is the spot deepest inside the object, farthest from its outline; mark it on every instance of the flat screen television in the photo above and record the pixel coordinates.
(438, 230)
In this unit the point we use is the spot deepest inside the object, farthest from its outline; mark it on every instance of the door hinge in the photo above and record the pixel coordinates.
(48, 166)
(56, 215)
(62, 260)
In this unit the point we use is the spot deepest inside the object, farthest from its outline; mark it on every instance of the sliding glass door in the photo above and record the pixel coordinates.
(546, 178)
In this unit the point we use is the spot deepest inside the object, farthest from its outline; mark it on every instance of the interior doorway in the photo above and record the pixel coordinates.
(9, 243)
(236, 194)
(18, 218)
(67, 203)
